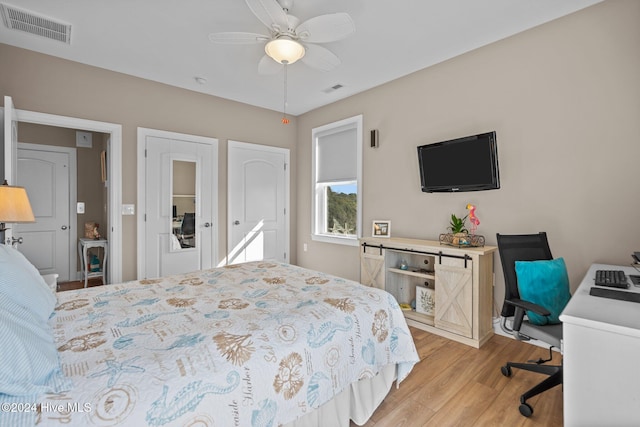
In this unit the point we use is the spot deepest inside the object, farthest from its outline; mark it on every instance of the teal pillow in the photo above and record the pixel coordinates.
(545, 283)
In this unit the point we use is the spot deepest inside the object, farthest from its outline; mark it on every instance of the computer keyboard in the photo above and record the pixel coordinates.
(615, 294)
(611, 278)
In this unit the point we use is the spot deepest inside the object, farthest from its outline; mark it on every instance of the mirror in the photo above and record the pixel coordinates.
(184, 204)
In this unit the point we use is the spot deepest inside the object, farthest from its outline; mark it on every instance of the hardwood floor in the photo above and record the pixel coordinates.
(457, 385)
(78, 284)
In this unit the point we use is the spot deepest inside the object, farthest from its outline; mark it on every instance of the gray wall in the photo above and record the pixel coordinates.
(564, 99)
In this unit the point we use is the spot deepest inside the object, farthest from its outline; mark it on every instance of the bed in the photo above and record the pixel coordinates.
(255, 344)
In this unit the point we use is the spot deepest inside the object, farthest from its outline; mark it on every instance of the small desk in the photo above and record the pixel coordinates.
(601, 341)
(83, 246)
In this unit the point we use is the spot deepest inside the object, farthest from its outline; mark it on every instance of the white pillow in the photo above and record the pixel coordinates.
(22, 282)
(52, 282)
(30, 362)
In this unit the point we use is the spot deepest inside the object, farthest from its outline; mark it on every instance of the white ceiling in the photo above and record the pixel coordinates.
(167, 41)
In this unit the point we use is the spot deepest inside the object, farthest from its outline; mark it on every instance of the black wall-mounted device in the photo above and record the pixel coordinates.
(374, 138)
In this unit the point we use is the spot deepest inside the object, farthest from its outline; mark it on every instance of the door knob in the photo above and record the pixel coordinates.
(64, 227)
(236, 222)
(207, 224)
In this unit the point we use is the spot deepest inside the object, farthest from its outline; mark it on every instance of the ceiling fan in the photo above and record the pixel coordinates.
(288, 39)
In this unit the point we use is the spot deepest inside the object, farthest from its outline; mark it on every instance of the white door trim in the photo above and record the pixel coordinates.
(143, 133)
(114, 176)
(10, 150)
(73, 190)
(287, 177)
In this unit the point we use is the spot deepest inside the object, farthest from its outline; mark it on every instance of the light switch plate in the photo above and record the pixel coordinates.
(128, 209)
(80, 208)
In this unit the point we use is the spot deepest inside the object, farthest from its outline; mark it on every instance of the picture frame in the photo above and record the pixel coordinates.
(381, 228)
(425, 301)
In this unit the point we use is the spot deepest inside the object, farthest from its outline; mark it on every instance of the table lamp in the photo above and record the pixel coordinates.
(14, 206)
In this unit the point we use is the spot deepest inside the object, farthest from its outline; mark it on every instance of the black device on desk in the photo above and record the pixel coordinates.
(615, 294)
(612, 278)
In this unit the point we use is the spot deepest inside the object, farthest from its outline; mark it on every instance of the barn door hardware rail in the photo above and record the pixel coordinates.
(439, 254)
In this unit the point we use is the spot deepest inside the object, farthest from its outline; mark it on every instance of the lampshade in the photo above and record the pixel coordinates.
(14, 204)
(284, 50)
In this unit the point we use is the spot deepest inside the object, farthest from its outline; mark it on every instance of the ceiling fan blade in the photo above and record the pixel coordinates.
(237, 38)
(269, 13)
(326, 28)
(320, 58)
(268, 66)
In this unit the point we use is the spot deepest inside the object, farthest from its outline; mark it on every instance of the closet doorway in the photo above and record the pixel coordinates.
(178, 203)
(258, 203)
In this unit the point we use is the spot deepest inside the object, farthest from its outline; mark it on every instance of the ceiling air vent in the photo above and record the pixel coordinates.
(29, 22)
(333, 88)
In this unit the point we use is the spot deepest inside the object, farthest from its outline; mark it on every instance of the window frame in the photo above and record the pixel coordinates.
(318, 200)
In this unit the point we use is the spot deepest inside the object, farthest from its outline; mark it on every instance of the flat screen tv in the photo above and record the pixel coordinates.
(462, 164)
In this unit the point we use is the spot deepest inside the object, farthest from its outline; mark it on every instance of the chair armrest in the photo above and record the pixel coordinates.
(526, 305)
(521, 307)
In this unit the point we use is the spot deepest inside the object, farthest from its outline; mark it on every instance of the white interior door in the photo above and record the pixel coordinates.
(164, 251)
(45, 172)
(258, 180)
(10, 147)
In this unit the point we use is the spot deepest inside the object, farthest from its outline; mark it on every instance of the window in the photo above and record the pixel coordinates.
(337, 177)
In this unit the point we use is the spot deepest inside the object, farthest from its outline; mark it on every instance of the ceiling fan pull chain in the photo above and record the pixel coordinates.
(285, 120)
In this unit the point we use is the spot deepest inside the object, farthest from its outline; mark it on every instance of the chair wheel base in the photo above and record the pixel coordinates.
(526, 409)
(506, 370)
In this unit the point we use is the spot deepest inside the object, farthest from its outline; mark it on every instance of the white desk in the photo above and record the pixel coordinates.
(83, 246)
(601, 341)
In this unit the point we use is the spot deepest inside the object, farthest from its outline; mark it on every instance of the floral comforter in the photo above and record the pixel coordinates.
(256, 344)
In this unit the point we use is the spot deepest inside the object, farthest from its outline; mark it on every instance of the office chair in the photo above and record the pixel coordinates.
(530, 247)
(187, 230)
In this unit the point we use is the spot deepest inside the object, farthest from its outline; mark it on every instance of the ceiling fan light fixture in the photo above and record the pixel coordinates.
(284, 50)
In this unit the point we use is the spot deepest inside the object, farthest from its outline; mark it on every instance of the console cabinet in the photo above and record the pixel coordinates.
(459, 280)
